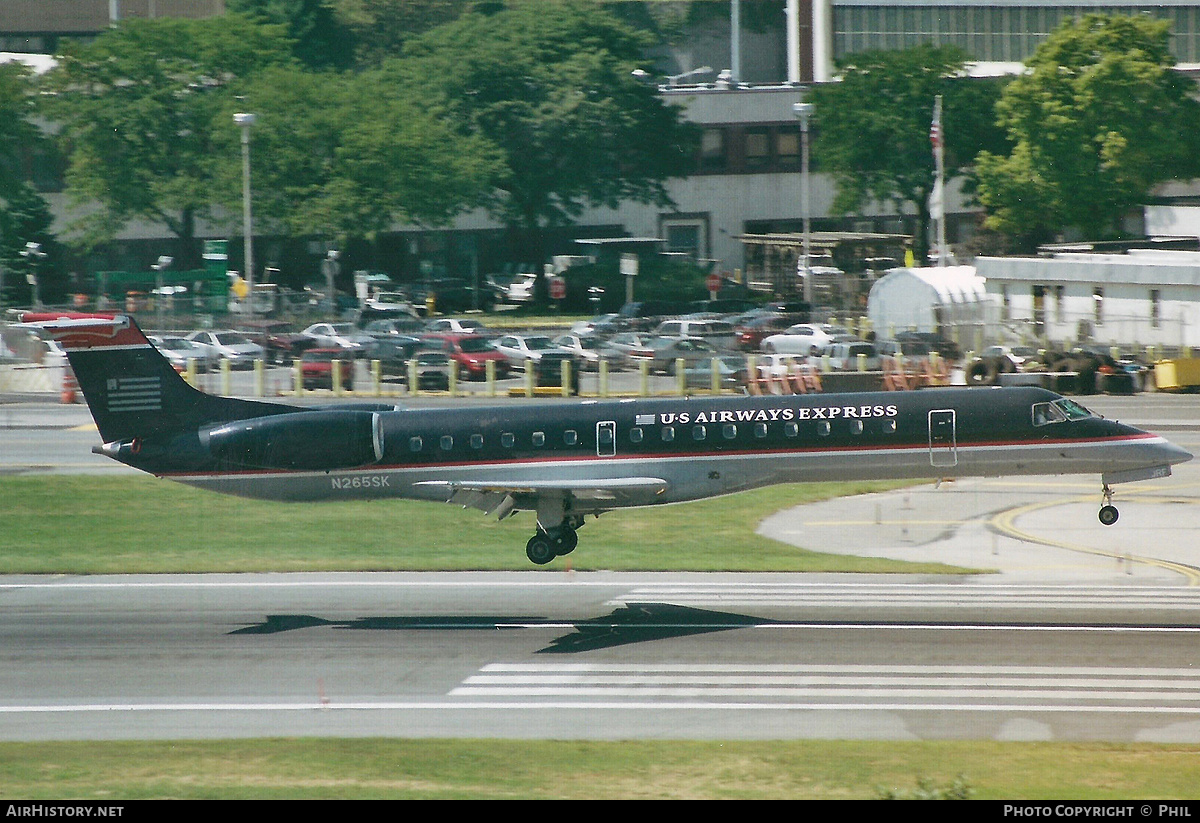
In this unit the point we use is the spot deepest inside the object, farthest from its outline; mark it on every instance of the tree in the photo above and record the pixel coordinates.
(550, 83)
(24, 215)
(137, 108)
(872, 129)
(348, 155)
(321, 40)
(1099, 118)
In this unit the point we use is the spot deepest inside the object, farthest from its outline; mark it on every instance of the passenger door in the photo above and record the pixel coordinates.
(943, 446)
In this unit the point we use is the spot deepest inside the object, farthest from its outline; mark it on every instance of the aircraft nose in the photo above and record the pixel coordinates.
(1173, 454)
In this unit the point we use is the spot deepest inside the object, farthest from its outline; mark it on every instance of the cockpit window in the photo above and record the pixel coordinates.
(1059, 411)
(1046, 413)
(1072, 410)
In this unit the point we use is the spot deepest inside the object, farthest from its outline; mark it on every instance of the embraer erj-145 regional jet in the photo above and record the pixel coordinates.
(566, 460)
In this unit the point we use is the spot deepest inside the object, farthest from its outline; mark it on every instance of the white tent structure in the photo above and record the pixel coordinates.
(938, 299)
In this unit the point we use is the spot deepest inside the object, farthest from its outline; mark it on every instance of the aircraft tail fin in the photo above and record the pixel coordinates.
(132, 391)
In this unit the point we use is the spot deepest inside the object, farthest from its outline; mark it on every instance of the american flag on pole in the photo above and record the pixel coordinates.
(935, 128)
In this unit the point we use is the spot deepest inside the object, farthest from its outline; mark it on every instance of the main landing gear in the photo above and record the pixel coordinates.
(548, 544)
(1108, 512)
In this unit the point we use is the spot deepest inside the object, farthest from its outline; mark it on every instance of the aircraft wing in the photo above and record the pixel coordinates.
(499, 496)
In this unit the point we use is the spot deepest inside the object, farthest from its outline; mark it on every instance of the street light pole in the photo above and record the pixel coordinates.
(804, 112)
(34, 254)
(246, 120)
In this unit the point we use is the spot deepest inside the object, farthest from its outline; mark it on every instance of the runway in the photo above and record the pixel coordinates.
(1075, 632)
(597, 656)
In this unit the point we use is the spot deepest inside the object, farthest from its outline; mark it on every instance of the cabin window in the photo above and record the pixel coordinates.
(699, 432)
(635, 435)
(856, 427)
(760, 429)
(414, 444)
(507, 440)
(477, 441)
(823, 428)
(539, 439)
(447, 442)
(668, 433)
(570, 437)
(889, 426)
(729, 430)
(791, 429)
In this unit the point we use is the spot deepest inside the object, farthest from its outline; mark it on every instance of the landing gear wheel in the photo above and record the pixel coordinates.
(565, 540)
(1108, 512)
(541, 549)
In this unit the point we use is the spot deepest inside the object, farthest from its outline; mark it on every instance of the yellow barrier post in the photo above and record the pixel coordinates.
(489, 375)
(260, 379)
(413, 379)
(644, 378)
(376, 377)
(190, 373)
(602, 375)
(565, 378)
(680, 376)
(335, 377)
(297, 378)
(452, 379)
(225, 377)
(530, 377)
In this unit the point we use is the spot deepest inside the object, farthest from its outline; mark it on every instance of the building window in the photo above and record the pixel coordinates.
(712, 150)
(1155, 308)
(1098, 305)
(758, 149)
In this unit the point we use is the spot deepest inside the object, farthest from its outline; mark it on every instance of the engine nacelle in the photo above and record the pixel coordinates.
(303, 441)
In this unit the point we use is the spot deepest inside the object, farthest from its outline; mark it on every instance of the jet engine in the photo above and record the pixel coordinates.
(303, 441)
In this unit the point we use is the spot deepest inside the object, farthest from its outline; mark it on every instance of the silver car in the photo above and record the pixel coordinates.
(239, 350)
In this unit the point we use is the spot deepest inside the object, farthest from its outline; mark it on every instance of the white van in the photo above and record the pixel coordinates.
(717, 332)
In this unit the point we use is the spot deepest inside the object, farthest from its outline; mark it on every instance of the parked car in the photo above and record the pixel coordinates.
(616, 349)
(393, 352)
(844, 356)
(456, 325)
(338, 336)
(922, 343)
(549, 368)
(239, 350)
(180, 351)
(471, 353)
(805, 338)
(433, 370)
(718, 332)
(521, 347)
(602, 325)
(401, 326)
(662, 353)
(751, 332)
(520, 288)
(586, 349)
(316, 368)
(644, 315)
(731, 372)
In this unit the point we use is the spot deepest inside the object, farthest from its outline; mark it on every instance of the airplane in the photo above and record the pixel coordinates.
(565, 460)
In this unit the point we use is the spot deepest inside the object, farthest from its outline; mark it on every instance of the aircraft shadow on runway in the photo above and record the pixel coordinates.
(637, 623)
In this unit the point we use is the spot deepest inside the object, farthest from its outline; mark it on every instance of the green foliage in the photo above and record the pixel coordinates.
(871, 130)
(16, 130)
(346, 155)
(551, 85)
(926, 789)
(1100, 118)
(321, 40)
(137, 108)
(659, 278)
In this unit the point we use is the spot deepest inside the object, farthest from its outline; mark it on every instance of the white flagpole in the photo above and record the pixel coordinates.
(938, 204)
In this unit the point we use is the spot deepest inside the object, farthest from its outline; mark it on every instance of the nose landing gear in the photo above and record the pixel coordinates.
(1108, 512)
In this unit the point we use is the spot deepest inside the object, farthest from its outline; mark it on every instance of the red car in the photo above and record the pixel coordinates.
(316, 368)
(471, 353)
(752, 332)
